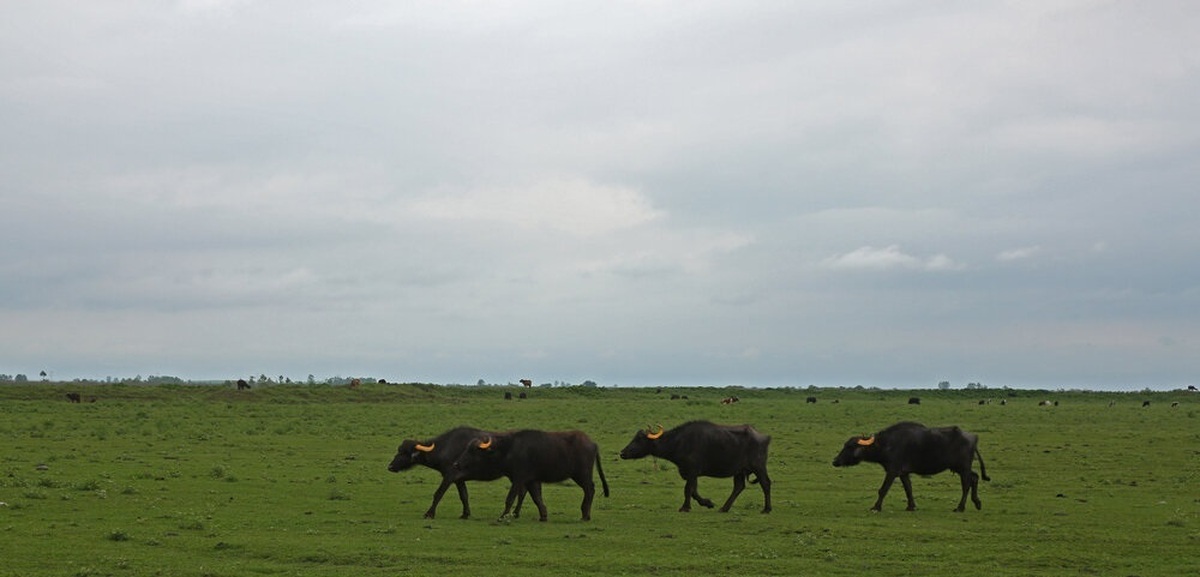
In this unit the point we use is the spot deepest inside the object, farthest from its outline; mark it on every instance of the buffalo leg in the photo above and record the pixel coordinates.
(441, 490)
(739, 483)
(765, 482)
(462, 496)
(589, 493)
(513, 491)
(883, 491)
(904, 480)
(965, 480)
(535, 492)
(520, 500)
(975, 491)
(689, 492)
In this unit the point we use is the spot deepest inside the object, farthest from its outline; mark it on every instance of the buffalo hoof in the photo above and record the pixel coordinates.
(706, 503)
(685, 509)
(429, 514)
(766, 510)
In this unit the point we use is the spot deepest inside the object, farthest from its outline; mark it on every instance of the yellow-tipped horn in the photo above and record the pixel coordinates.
(653, 436)
(425, 448)
(486, 443)
(867, 442)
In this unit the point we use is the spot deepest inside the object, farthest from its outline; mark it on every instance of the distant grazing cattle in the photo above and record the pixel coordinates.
(522, 395)
(674, 397)
(729, 400)
(73, 397)
(383, 381)
(836, 401)
(906, 448)
(1175, 404)
(1003, 402)
(530, 457)
(1112, 403)
(354, 383)
(1191, 387)
(1145, 403)
(242, 385)
(508, 396)
(704, 449)
(527, 382)
(1044, 403)
(439, 454)
(914, 400)
(91, 399)
(810, 400)
(983, 401)
(658, 391)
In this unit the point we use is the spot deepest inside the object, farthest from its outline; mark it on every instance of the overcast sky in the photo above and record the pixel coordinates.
(885, 193)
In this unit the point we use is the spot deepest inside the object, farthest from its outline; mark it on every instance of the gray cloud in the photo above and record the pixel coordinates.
(766, 193)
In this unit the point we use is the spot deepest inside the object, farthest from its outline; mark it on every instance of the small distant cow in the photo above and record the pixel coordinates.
(242, 385)
(729, 400)
(810, 400)
(1044, 403)
(527, 382)
(1145, 403)
(522, 395)
(906, 448)
(354, 383)
(1192, 387)
(508, 396)
(914, 400)
(74, 397)
(1175, 404)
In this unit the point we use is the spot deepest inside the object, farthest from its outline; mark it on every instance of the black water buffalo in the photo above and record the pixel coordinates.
(439, 454)
(906, 448)
(701, 448)
(810, 400)
(529, 458)
(914, 400)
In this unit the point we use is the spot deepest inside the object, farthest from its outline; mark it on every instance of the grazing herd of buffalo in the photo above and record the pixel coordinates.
(529, 458)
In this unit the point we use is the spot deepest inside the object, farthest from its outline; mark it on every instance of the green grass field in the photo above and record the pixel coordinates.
(292, 480)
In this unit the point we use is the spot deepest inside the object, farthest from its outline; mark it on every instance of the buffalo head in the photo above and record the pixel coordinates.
(410, 453)
(480, 456)
(642, 443)
(853, 451)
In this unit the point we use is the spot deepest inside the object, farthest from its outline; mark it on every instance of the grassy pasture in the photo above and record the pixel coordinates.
(200, 481)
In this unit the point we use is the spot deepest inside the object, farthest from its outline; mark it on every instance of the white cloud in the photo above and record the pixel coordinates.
(573, 206)
(890, 257)
(1018, 253)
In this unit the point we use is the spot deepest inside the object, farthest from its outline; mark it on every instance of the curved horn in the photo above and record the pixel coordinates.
(653, 436)
(867, 442)
(486, 444)
(425, 448)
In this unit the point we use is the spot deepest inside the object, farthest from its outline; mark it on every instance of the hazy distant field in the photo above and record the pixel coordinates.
(292, 480)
